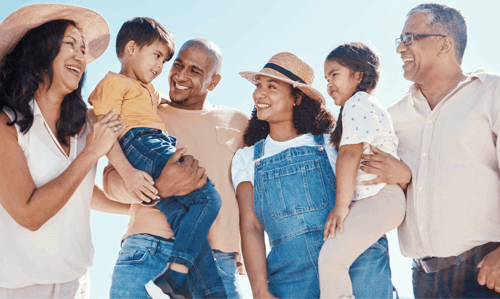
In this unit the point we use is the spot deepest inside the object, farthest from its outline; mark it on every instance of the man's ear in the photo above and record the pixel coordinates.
(446, 46)
(215, 81)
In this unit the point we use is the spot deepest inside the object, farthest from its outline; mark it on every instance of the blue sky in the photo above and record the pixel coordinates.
(249, 33)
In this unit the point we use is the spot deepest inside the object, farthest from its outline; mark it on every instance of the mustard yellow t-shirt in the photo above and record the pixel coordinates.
(135, 102)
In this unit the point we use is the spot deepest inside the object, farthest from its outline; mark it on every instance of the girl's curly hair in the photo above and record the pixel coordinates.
(308, 117)
(24, 70)
(356, 57)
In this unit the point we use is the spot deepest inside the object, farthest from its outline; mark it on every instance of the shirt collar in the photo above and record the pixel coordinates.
(480, 74)
(34, 107)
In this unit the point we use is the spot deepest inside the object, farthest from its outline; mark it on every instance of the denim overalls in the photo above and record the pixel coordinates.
(294, 191)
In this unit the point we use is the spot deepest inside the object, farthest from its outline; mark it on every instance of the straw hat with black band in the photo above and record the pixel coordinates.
(289, 68)
(92, 25)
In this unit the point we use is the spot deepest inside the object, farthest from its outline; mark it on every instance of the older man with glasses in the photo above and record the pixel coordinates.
(447, 125)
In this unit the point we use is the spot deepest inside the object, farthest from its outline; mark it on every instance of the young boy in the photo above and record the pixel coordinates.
(143, 46)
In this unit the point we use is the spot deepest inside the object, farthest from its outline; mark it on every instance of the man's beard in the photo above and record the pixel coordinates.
(180, 102)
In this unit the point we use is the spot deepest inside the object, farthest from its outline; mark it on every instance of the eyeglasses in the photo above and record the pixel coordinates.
(408, 39)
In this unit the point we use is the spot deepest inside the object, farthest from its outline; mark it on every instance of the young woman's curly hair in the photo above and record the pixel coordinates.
(308, 117)
(24, 70)
(356, 57)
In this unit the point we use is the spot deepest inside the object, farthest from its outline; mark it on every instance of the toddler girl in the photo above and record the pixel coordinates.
(362, 213)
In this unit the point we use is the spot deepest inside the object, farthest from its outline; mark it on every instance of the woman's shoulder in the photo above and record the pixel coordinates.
(8, 134)
(7, 116)
(246, 152)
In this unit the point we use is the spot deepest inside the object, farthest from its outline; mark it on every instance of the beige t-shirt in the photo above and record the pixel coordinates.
(212, 136)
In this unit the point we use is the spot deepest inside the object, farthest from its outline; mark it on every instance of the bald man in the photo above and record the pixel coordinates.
(211, 134)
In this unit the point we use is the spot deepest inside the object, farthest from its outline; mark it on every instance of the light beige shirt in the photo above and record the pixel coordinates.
(453, 200)
(212, 136)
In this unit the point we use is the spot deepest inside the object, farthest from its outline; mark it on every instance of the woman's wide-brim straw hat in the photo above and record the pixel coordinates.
(291, 69)
(92, 25)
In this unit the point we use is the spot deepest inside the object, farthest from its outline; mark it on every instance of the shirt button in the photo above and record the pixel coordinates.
(421, 227)
(430, 121)
(419, 188)
(424, 154)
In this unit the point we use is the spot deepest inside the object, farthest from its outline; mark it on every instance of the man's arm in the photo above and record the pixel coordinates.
(100, 202)
(177, 178)
(489, 274)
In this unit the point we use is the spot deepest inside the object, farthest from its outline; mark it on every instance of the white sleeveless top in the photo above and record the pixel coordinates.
(61, 250)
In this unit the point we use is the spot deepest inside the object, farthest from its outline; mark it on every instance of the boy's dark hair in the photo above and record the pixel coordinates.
(308, 117)
(144, 32)
(26, 67)
(356, 57)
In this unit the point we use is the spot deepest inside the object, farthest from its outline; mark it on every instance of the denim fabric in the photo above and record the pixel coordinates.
(190, 216)
(148, 149)
(143, 257)
(228, 271)
(459, 281)
(203, 276)
(371, 274)
(294, 191)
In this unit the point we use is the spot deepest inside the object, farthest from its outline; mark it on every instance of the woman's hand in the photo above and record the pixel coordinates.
(140, 184)
(104, 134)
(387, 169)
(335, 220)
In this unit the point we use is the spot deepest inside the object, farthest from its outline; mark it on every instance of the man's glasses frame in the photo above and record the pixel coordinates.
(408, 39)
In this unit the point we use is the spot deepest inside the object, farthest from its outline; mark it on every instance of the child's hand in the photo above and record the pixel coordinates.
(335, 220)
(140, 184)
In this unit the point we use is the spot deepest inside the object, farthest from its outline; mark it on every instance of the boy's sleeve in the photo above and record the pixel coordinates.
(360, 122)
(108, 94)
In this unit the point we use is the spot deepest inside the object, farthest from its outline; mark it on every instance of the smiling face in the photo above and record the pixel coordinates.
(274, 100)
(419, 58)
(342, 81)
(193, 74)
(70, 62)
(146, 62)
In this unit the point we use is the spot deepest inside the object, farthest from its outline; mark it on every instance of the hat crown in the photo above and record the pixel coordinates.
(91, 24)
(294, 64)
(291, 69)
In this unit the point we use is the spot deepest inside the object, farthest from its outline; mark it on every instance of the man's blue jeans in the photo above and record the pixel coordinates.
(458, 281)
(190, 216)
(144, 256)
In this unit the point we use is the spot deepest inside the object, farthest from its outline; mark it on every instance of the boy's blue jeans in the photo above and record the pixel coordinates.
(144, 256)
(191, 215)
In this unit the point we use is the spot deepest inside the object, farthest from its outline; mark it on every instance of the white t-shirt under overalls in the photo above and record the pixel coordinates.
(243, 165)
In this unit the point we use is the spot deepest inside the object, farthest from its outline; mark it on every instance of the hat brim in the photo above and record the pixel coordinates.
(306, 89)
(93, 26)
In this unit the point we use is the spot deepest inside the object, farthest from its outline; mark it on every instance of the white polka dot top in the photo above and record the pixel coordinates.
(364, 120)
